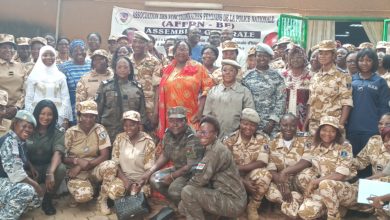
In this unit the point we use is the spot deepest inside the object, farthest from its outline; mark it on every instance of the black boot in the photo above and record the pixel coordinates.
(47, 205)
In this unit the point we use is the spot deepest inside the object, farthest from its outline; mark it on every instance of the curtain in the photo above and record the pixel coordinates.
(374, 30)
(319, 30)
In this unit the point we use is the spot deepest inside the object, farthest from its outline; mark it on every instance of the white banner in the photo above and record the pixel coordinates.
(249, 28)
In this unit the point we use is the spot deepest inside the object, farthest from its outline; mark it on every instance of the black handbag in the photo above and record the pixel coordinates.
(131, 206)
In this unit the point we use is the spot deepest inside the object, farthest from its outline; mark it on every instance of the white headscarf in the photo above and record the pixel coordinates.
(44, 73)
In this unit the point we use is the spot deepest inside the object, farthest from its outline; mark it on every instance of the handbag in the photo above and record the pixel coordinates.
(131, 206)
(165, 213)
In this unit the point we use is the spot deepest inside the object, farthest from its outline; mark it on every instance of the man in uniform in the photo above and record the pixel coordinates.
(216, 185)
(5, 124)
(280, 58)
(12, 75)
(182, 147)
(268, 90)
(89, 84)
(147, 71)
(23, 49)
(229, 52)
(112, 46)
(250, 153)
(87, 152)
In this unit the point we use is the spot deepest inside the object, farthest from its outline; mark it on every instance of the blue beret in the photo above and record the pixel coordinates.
(26, 116)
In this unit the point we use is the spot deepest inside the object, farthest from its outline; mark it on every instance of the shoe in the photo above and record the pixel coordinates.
(47, 205)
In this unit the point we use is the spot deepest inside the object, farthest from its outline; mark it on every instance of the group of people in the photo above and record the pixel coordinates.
(214, 129)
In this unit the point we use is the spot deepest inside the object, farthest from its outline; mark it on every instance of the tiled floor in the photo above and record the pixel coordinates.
(88, 212)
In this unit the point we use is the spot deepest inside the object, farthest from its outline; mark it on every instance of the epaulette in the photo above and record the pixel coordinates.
(136, 84)
(107, 81)
(303, 134)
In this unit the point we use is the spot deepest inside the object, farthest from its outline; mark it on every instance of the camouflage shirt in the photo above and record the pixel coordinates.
(373, 153)
(268, 91)
(182, 151)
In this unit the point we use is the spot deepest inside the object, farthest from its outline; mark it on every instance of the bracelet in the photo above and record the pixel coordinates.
(172, 177)
(49, 174)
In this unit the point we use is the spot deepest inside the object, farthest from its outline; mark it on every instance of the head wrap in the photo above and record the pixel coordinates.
(76, 43)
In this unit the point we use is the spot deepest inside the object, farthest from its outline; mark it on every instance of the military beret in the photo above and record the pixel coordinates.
(231, 63)
(261, 47)
(141, 35)
(250, 115)
(26, 116)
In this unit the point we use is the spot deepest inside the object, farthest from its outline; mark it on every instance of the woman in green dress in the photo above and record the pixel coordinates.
(45, 149)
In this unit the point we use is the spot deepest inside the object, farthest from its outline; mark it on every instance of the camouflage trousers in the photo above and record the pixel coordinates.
(197, 200)
(297, 184)
(82, 189)
(261, 178)
(173, 191)
(330, 197)
(117, 189)
(15, 198)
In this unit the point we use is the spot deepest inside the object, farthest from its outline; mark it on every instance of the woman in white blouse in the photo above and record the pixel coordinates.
(47, 82)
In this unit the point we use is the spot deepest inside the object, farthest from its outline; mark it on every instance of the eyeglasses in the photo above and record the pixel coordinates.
(204, 133)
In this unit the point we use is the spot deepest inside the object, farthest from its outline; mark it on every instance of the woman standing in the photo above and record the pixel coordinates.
(351, 63)
(184, 83)
(371, 97)
(47, 82)
(63, 50)
(45, 150)
(297, 78)
(74, 70)
(330, 90)
(18, 190)
(118, 95)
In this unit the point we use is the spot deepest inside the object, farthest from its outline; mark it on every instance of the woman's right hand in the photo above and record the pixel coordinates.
(74, 171)
(83, 163)
(39, 190)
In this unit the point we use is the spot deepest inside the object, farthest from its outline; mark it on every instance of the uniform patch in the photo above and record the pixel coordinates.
(102, 135)
(308, 145)
(266, 147)
(200, 166)
(344, 154)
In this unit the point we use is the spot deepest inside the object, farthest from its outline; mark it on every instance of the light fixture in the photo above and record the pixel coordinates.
(191, 5)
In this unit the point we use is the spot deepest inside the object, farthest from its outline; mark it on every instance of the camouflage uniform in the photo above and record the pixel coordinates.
(216, 186)
(108, 107)
(133, 159)
(88, 85)
(245, 153)
(278, 64)
(183, 151)
(329, 92)
(87, 146)
(15, 196)
(237, 97)
(375, 154)
(148, 73)
(268, 91)
(281, 157)
(331, 195)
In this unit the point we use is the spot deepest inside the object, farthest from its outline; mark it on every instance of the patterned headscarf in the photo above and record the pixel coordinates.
(76, 43)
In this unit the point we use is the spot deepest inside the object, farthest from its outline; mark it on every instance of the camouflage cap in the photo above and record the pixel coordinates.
(264, 48)
(382, 45)
(349, 47)
(38, 40)
(177, 112)
(7, 38)
(250, 115)
(131, 115)
(330, 120)
(100, 52)
(229, 45)
(231, 63)
(141, 35)
(26, 116)
(88, 107)
(315, 47)
(3, 97)
(366, 45)
(252, 51)
(327, 45)
(23, 41)
(283, 40)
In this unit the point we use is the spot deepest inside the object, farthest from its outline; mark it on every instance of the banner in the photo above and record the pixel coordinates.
(249, 28)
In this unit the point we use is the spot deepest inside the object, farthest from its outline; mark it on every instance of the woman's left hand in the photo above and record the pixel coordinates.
(49, 182)
(196, 118)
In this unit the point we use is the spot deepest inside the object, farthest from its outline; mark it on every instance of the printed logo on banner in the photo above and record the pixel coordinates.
(123, 16)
